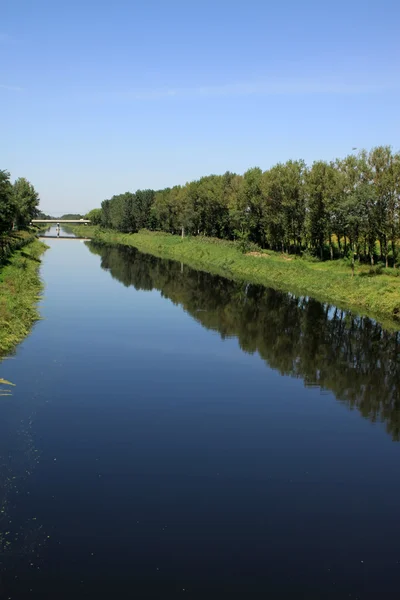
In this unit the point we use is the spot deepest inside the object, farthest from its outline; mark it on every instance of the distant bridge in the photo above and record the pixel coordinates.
(55, 221)
(64, 237)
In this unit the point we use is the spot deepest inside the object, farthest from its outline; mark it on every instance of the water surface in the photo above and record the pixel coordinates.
(174, 433)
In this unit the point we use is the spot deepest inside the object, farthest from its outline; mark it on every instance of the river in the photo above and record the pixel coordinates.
(176, 434)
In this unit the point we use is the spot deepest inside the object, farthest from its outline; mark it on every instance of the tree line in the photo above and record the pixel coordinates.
(71, 216)
(348, 206)
(352, 356)
(19, 203)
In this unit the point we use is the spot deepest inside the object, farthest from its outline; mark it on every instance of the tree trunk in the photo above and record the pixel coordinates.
(330, 246)
(183, 232)
(371, 254)
(386, 256)
(394, 251)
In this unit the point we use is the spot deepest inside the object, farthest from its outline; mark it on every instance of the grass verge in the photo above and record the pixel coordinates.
(374, 293)
(20, 287)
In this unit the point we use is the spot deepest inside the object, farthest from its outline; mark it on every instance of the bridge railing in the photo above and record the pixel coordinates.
(55, 221)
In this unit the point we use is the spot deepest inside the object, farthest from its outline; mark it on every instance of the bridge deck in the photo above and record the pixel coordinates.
(60, 221)
(63, 237)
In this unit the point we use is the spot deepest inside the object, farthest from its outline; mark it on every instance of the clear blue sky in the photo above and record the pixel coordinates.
(97, 98)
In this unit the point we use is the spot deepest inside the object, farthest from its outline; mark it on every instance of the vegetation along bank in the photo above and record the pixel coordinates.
(20, 252)
(367, 291)
(330, 229)
(20, 287)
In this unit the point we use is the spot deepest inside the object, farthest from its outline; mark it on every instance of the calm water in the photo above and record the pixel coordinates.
(174, 434)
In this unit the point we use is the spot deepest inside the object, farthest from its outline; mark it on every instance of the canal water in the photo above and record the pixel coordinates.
(175, 434)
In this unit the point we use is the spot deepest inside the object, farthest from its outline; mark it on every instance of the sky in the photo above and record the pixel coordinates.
(98, 98)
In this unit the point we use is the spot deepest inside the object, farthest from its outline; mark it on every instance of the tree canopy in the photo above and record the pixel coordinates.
(94, 216)
(346, 207)
(26, 201)
(7, 203)
(71, 216)
(18, 203)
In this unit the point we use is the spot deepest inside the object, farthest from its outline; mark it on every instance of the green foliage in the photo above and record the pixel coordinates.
(243, 242)
(94, 216)
(18, 206)
(321, 182)
(71, 216)
(13, 241)
(7, 204)
(284, 191)
(330, 281)
(42, 215)
(26, 201)
(20, 286)
(330, 210)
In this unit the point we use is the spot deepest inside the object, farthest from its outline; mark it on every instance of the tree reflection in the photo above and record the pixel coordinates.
(352, 356)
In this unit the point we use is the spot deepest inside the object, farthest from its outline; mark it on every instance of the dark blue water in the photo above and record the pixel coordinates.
(173, 434)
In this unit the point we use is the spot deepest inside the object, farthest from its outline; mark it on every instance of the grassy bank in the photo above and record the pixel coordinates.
(369, 291)
(20, 287)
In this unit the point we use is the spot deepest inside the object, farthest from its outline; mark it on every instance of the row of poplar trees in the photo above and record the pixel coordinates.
(331, 209)
(19, 203)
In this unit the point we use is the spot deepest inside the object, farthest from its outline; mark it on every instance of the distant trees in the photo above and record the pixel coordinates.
(42, 215)
(71, 216)
(344, 208)
(128, 212)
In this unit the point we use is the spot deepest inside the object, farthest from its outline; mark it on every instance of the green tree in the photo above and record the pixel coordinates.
(353, 212)
(394, 205)
(71, 216)
(231, 186)
(252, 206)
(94, 216)
(321, 187)
(381, 164)
(346, 205)
(121, 212)
(142, 202)
(283, 187)
(7, 203)
(26, 201)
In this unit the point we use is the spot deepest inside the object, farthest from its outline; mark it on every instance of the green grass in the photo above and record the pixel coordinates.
(20, 288)
(369, 292)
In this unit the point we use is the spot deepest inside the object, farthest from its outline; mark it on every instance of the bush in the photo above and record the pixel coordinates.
(309, 255)
(242, 241)
(373, 271)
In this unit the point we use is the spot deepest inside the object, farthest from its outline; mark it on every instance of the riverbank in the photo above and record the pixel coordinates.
(20, 286)
(369, 292)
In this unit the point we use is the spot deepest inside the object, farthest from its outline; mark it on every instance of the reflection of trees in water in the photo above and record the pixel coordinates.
(352, 356)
